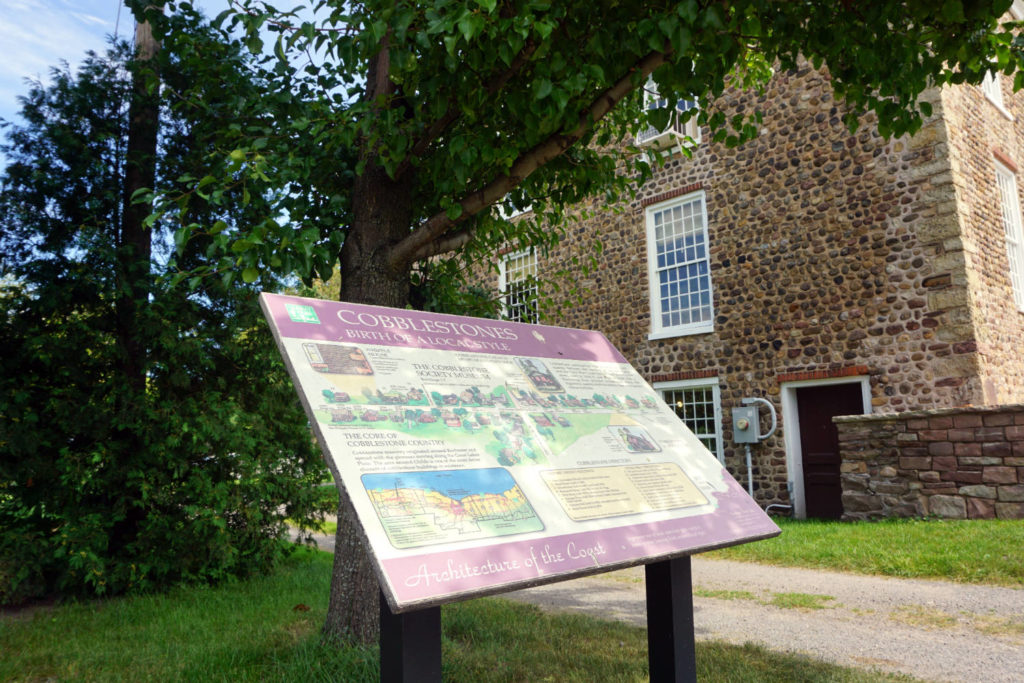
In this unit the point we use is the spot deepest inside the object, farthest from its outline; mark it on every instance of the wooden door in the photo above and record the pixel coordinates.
(819, 444)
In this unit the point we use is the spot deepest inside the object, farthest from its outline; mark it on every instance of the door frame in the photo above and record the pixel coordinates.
(791, 431)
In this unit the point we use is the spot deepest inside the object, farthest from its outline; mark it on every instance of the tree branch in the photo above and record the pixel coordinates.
(453, 112)
(240, 8)
(430, 238)
(448, 242)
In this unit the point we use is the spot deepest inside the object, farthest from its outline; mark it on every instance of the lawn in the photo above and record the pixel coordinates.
(968, 551)
(266, 629)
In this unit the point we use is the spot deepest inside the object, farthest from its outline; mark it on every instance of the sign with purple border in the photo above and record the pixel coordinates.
(483, 456)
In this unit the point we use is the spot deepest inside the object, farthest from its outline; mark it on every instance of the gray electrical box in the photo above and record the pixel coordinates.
(746, 426)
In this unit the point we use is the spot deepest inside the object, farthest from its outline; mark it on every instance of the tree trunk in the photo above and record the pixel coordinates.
(134, 247)
(134, 273)
(353, 609)
(381, 217)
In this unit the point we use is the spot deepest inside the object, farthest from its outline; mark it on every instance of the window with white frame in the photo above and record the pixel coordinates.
(698, 405)
(679, 267)
(1009, 206)
(517, 280)
(992, 89)
(678, 131)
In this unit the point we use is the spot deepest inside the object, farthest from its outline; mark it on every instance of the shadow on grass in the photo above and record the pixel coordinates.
(268, 629)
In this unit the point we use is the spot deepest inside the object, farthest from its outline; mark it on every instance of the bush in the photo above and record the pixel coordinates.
(149, 434)
(107, 491)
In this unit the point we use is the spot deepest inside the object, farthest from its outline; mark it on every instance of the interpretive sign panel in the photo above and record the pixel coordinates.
(483, 456)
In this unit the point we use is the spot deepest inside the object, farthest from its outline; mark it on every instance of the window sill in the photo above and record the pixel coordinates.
(680, 332)
(1002, 109)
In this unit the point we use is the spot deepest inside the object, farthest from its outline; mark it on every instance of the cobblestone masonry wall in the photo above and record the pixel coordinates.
(961, 463)
(828, 258)
(832, 255)
(980, 133)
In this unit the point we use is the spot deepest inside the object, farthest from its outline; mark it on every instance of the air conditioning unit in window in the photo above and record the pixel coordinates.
(672, 136)
(677, 132)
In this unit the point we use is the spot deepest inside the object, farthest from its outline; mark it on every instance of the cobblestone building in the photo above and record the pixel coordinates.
(829, 273)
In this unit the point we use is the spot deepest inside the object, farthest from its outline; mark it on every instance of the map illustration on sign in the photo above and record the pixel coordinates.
(484, 455)
(426, 508)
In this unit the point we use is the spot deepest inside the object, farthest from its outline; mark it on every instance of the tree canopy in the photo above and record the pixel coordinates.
(388, 134)
(449, 109)
(130, 466)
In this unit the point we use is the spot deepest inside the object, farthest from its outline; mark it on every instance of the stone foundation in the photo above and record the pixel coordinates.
(957, 463)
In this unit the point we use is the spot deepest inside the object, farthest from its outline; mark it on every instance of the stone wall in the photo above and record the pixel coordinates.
(960, 463)
(980, 134)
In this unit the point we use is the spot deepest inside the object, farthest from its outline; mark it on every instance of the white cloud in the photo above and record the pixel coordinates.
(40, 34)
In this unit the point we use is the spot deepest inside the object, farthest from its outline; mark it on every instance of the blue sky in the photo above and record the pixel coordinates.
(38, 34)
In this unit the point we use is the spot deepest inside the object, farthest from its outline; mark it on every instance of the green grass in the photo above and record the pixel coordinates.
(723, 594)
(923, 616)
(252, 631)
(927, 617)
(968, 551)
(800, 601)
(993, 625)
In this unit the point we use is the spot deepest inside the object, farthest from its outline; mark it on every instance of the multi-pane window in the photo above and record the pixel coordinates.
(679, 267)
(518, 284)
(697, 404)
(1009, 206)
(992, 89)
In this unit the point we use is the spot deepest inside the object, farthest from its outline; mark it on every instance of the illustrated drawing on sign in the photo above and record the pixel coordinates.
(427, 508)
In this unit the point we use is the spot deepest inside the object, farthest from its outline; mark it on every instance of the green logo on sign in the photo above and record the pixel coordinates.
(302, 314)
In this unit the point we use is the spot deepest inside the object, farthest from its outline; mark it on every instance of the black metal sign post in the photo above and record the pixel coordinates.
(671, 654)
(410, 645)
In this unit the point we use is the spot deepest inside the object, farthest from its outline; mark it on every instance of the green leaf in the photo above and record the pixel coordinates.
(561, 98)
(544, 28)
(505, 54)
(469, 25)
(180, 238)
(952, 10)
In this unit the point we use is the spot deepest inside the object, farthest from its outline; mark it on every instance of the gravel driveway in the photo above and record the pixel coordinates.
(934, 630)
